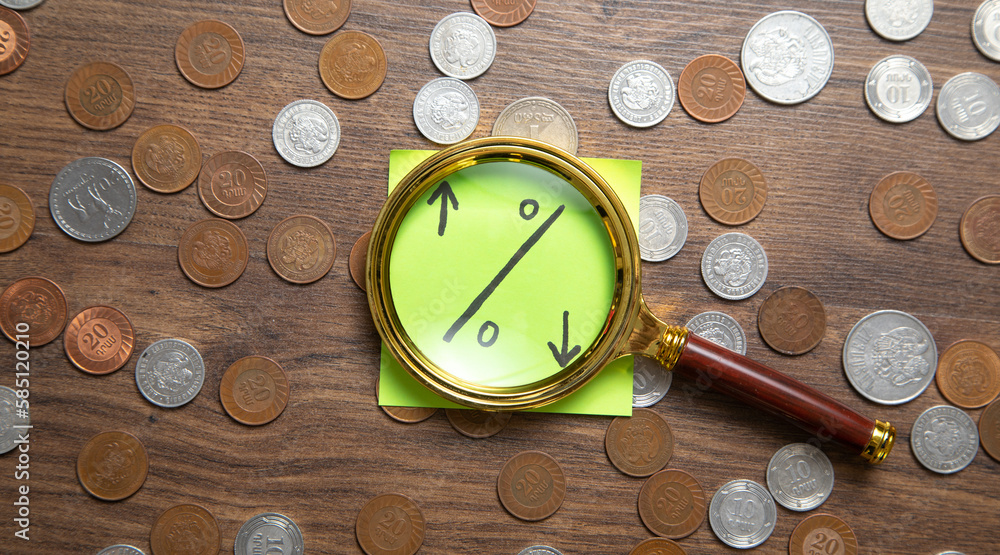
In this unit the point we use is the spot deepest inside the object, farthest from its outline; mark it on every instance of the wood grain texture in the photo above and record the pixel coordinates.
(333, 449)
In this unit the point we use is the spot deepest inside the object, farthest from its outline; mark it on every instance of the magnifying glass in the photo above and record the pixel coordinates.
(503, 274)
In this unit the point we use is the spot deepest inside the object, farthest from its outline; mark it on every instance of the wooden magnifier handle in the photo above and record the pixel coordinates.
(713, 366)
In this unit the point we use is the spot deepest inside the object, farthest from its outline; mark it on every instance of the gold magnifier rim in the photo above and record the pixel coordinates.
(625, 304)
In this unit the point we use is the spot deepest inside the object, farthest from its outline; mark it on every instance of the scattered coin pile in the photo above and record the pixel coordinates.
(889, 356)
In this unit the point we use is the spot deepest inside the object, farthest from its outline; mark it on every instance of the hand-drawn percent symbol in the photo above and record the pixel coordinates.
(490, 331)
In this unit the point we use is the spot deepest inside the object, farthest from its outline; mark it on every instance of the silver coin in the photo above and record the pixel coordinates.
(787, 57)
(278, 528)
(641, 93)
(446, 110)
(986, 29)
(92, 199)
(898, 89)
(890, 357)
(538, 118)
(742, 514)
(944, 439)
(968, 106)
(734, 266)
(650, 382)
(121, 549)
(800, 477)
(463, 45)
(663, 228)
(898, 20)
(721, 329)
(306, 133)
(540, 550)
(13, 419)
(20, 4)
(170, 373)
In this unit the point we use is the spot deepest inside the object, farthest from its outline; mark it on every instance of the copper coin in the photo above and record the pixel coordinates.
(980, 229)
(209, 54)
(406, 415)
(968, 374)
(359, 257)
(640, 445)
(903, 205)
(34, 307)
(17, 218)
(317, 17)
(99, 340)
(672, 504)
(166, 158)
(658, 546)
(100, 95)
(711, 88)
(390, 524)
(352, 65)
(232, 185)
(823, 534)
(531, 485)
(213, 253)
(301, 249)
(185, 530)
(989, 429)
(503, 13)
(733, 191)
(15, 40)
(792, 320)
(112, 465)
(477, 424)
(254, 390)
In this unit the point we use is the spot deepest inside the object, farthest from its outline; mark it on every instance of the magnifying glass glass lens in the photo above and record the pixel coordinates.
(502, 274)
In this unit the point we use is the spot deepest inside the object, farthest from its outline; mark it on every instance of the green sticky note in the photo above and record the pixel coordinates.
(513, 331)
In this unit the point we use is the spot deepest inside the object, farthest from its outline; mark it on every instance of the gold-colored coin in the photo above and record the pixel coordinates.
(672, 504)
(968, 374)
(658, 546)
(185, 530)
(210, 54)
(34, 307)
(100, 96)
(317, 17)
(112, 465)
(823, 534)
(989, 429)
(17, 218)
(477, 424)
(980, 229)
(792, 320)
(352, 65)
(232, 185)
(166, 158)
(733, 191)
(301, 249)
(99, 340)
(390, 524)
(640, 445)
(213, 252)
(903, 205)
(359, 256)
(531, 485)
(711, 88)
(254, 390)
(406, 415)
(15, 40)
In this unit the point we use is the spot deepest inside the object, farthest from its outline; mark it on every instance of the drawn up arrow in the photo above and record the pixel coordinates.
(563, 356)
(444, 191)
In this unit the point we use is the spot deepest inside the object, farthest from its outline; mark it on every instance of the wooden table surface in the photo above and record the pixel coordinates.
(333, 448)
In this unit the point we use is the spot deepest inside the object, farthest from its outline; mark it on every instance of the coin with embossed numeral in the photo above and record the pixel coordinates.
(711, 88)
(733, 191)
(980, 229)
(390, 524)
(503, 13)
(541, 119)
(650, 382)
(166, 158)
(823, 534)
(100, 95)
(985, 27)
(531, 485)
(968, 106)
(969, 374)
(254, 390)
(210, 54)
(672, 504)
(898, 89)
(317, 17)
(17, 218)
(903, 205)
(278, 528)
(301, 249)
(99, 340)
(742, 514)
(800, 477)
(15, 39)
(658, 546)
(232, 184)
(792, 320)
(188, 529)
(944, 439)
(663, 228)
